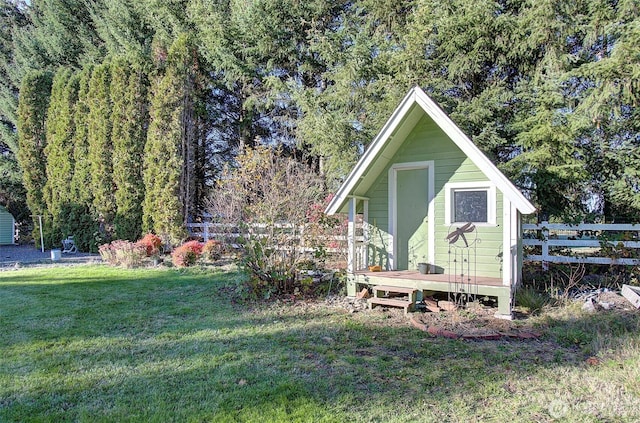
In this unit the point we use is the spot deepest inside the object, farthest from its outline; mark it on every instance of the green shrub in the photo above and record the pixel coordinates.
(531, 299)
(80, 223)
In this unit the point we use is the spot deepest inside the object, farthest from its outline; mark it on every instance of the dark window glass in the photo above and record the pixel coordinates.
(470, 206)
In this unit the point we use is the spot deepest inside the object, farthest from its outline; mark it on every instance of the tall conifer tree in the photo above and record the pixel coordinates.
(34, 100)
(129, 120)
(12, 192)
(81, 178)
(59, 149)
(170, 148)
(100, 148)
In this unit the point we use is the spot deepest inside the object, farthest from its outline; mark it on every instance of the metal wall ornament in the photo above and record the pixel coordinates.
(463, 241)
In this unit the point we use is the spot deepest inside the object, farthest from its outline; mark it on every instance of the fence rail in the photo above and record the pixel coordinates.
(208, 231)
(612, 244)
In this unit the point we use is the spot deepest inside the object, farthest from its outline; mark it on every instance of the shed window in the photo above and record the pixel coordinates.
(471, 202)
(470, 206)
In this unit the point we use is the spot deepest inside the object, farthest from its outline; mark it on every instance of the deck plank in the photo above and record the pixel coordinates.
(432, 277)
(402, 290)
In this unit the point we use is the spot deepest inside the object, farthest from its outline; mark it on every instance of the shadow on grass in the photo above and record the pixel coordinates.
(173, 348)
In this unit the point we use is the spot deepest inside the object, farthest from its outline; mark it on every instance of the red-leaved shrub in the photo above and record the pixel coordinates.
(194, 246)
(187, 254)
(151, 243)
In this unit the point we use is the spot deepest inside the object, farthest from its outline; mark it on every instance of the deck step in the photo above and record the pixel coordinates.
(406, 304)
(391, 298)
(388, 288)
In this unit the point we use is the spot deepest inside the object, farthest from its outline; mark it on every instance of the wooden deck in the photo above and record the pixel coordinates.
(414, 275)
(436, 282)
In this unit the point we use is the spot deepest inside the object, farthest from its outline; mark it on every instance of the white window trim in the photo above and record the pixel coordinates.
(451, 187)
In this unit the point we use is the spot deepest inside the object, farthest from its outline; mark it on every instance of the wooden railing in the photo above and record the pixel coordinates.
(219, 231)
(613, 244)
(208, 231)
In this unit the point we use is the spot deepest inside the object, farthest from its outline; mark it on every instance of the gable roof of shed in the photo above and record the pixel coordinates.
(393, 134)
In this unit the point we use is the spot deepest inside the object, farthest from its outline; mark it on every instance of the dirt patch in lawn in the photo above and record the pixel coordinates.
(474, 323)
(478, 322)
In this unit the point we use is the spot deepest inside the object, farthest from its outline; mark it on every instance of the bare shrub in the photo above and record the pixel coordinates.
(565, 279)
(212, 250)
(123, 253)
(264, 204)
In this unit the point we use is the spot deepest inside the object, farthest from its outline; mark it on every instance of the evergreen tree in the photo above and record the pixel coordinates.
(606, 93)
(32, 109)
(125, 28)
(79, 219)
(129, 120)
(356, 89)
(12, 20)
(275, 61)
(169, 150)
(59, 148)
(12, 192)
(548, 89)
(60, 33)
(81, 176)
(100, 147)
(168, 18)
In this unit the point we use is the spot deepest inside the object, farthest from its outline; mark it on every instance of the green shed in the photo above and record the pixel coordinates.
(423, 196)
(7, 227)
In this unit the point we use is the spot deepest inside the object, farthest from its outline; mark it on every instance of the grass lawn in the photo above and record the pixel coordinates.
(103, 344)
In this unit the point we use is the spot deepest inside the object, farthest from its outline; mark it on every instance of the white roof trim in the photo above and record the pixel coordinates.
(417, 96)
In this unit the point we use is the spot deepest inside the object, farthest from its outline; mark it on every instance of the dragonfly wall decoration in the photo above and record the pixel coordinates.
(459, 233)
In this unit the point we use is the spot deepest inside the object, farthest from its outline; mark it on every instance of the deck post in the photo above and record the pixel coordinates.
(351, 236)
(365, 233)
(507, 250)
(504, 307)
(351, 247)
(519, 251)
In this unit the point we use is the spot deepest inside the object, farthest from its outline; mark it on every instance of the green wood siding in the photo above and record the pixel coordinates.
(379, 221)
(427, 142)
(6, 227)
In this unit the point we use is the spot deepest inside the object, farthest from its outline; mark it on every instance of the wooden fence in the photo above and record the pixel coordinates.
(612, 244)
(208, 231)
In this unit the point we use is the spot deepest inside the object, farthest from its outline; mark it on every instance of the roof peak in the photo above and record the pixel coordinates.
(417, 96)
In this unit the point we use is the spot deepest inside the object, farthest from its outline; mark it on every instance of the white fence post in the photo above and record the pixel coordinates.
(545, 245)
